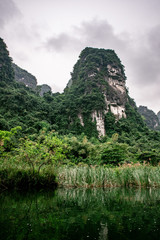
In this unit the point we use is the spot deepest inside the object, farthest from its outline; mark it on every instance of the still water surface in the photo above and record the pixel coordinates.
(80, 214)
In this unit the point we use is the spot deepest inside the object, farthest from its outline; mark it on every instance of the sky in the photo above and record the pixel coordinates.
(45, 37)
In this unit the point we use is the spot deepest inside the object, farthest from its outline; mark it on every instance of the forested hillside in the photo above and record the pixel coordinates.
(95, 108)
(76, 110)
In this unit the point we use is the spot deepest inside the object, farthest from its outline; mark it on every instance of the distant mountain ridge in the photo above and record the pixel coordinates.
(25, 77)
(158, 115)
(29, 80)
(95, 102)
(151, 119)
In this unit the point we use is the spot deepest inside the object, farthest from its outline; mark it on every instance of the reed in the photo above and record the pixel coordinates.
(101, 176)
(20, 175)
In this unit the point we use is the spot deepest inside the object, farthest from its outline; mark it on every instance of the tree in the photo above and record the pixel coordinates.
(6, 70)
(114, 153)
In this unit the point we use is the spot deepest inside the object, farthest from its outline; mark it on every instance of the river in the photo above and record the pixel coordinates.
(81, 214)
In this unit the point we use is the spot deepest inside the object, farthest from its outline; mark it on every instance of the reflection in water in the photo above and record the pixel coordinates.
(80, 214)
(103, 233)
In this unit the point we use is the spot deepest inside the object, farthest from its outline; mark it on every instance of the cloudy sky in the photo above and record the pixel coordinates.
(45, 37)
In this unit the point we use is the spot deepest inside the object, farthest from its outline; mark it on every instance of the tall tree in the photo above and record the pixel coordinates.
(6, 70)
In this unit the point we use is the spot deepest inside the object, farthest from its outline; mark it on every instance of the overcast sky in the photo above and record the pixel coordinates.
(45, 37)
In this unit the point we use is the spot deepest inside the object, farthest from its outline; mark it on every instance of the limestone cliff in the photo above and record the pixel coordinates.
(95, 101)
(98, 79)
(42, 89)
(158, 115)
(25, 77)
(29, 80)
(149, 117)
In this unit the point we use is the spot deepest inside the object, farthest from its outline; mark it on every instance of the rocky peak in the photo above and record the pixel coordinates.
(150, 118)
(158, 115)
(25, 77)
(99, 77)
(42, 89)
(29, 80)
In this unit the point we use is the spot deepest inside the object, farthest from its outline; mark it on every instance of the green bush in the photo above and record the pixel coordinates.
(114, 153)
(151, 157)
(82, 150)
(9, 139)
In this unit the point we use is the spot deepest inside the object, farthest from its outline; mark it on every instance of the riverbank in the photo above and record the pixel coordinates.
(23, 177)
(47, 160)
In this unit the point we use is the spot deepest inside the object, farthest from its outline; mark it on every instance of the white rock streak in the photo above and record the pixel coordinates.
(116, 80)
(118, 111)
(98, 117)
(81, 119)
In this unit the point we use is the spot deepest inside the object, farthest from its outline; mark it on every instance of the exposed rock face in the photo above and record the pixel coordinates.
(158, 115)
(81, 119)
(99, 75)
(29, 80)
(118, 111)
(42, 89)
(149, 117)
(25, 77)
(99, 118)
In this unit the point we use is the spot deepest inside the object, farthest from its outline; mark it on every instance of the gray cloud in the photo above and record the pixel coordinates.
(8, 10)
(154, 39)
(100, 34)
(95, 33)
(142, 61)
(145, 58)
(62, 43)
(141, 55)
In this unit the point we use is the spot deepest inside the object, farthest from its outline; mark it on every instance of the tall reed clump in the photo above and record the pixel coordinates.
(102, 176)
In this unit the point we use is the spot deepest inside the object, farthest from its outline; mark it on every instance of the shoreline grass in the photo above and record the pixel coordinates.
(101, 176)
(22, 177)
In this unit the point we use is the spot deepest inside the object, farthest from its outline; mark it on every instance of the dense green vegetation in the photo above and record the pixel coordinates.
(49, 132)
(20, 106)
(36, 160)
(6, 70)
(85, 91)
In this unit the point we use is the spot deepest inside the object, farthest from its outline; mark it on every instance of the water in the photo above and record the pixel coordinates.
(81, 214)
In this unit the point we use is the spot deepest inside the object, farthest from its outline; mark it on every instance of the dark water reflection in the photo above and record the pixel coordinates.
(79, 214)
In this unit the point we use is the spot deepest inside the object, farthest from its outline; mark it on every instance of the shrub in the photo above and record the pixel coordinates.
(114, 153)
(151, 157)
(9, 139)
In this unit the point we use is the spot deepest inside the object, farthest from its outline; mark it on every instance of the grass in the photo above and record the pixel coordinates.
(101, 176)
(22, 176)
(14, 174)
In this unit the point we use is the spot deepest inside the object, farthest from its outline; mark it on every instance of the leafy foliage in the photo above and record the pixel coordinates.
(6, 70)
(75, 139)
(9, 139)
(114, 153)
